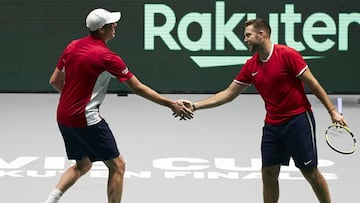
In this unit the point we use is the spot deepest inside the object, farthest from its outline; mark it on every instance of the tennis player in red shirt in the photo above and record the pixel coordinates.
(82, 76)
(278, 73)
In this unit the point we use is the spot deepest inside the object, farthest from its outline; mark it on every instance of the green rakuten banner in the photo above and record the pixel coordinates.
(180, 46)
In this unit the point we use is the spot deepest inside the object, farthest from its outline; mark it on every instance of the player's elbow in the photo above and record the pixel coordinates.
(136, 86)
(57, 79)
(56, 84)
(230, 94)
(52, 81)
(138, 89)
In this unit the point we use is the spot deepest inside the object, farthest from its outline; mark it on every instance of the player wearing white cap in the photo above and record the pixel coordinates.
(81, 76)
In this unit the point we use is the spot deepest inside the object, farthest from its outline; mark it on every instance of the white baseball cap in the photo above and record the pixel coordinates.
(99, 17)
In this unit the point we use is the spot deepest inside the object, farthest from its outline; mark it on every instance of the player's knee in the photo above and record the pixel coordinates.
(121, 165)
(270, 174)
(311, 173)
(83, 167)
(116, 165)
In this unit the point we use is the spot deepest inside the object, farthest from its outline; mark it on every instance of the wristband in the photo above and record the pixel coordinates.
(193, 106)
(332, 109)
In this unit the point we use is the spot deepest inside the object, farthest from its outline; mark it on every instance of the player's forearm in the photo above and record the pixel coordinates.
(57, 87)
(152, 95)
(146, 92)
(321, 94)
(222, 97)
(317, 90)
(213, 101)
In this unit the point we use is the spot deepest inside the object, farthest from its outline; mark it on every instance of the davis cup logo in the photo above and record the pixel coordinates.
(170, 168)
(320, 32)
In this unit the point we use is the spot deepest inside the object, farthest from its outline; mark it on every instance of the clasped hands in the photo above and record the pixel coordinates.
(183, 109)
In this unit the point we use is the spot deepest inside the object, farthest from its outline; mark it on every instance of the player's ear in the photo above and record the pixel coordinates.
(261, 33)
(101, 30)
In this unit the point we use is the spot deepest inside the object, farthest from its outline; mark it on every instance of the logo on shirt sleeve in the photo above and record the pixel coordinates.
(125, 71)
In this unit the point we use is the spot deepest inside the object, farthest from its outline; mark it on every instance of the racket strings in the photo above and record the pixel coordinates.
(341, 139)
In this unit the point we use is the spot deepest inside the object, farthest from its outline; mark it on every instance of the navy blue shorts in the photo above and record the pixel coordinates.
(295, 139)
(95, 142)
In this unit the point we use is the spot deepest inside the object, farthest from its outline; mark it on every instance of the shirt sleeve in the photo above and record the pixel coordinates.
(296, 62)
(117, 67)
(61, 62)
(243, 76)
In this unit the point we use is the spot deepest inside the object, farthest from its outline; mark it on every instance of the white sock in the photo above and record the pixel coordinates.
(54, 196)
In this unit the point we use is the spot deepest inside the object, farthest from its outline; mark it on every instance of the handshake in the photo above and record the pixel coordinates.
(183, 109)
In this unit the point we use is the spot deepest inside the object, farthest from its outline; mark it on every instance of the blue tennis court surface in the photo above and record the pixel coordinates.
(214, 158)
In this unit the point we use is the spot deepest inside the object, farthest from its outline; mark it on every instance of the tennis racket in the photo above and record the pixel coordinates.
(339, 137)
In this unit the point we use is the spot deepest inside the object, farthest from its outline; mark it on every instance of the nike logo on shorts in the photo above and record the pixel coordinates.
(307, 162)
